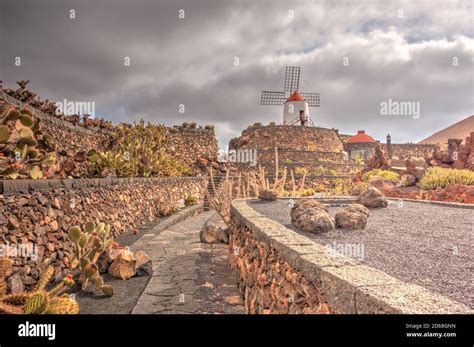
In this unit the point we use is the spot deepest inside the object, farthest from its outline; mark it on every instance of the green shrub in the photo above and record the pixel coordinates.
(360, 160)
(385, 174)
(440, 177)
(190, 200)
(307, 192)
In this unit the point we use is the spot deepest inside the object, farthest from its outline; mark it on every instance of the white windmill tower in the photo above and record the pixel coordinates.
(295, 105)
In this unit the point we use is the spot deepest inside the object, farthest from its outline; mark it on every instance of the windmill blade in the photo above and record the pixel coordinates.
(311, 98)
(272, 98)
(292, 79)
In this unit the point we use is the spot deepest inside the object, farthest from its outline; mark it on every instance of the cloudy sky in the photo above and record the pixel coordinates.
(218, 58)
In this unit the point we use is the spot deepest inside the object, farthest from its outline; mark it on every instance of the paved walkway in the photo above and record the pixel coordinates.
(188, 276)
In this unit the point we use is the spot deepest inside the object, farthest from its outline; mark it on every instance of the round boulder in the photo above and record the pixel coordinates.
(309, 203)
(352, 217)
(267, 194)
(310, 215)
(372, 198)
(358, 208)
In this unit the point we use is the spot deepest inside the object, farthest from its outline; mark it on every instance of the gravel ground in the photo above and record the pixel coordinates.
(428, 245)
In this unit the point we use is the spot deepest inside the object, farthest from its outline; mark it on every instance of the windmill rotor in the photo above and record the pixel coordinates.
(292, 99)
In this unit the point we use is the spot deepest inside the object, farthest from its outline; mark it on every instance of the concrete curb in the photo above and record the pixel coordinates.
(349, 287)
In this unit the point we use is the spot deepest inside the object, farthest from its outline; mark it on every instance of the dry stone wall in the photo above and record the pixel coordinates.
(66, 134)
(408, 150)
(39, 212)
(291, 137)
(187, 143)
(191, 144)
(319, 151)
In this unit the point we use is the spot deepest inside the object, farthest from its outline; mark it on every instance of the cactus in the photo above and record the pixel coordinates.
(438, 177)
(39, 301)
(13, 115)
(139, 153)
(62, 305)
(3, 287)
(26, 119)
(24, 149)
(190, 200)
(44, 279)
(36, 173)
(88, 246)
(10, 309)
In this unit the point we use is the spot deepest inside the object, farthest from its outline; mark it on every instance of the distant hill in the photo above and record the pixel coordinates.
(459, 130)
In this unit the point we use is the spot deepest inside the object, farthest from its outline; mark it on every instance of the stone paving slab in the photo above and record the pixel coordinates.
(189, 277)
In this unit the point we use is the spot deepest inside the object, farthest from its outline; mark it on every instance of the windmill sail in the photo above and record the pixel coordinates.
(272, 98)
(292, 79)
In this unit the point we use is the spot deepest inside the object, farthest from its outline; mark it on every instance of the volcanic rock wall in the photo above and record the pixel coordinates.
(266, 281)
(66, 134)
(408, 150)
(39, 212)
(319, 151)
(190, 144)
(289, 137)
(187, 143)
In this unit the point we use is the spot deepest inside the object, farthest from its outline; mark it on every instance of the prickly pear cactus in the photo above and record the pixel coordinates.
(25, 152)
(89, 243)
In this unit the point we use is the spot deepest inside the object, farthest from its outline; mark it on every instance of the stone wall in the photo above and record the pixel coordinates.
(302, 138)
(407, 150)
(314, 169)
(66, 134)
(39, 212)
(191, 144)
(319, 151)
(299, 156)
(187, 143)
(281, 271)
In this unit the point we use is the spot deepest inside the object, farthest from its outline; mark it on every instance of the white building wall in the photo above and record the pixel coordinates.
(291, 111)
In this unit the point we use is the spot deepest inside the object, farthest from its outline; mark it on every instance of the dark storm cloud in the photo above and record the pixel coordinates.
(400, 51)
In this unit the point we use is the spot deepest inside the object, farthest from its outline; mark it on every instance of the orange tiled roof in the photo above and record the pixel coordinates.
(360, 137)
(295, 97)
